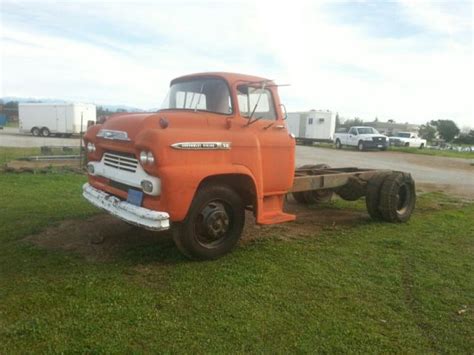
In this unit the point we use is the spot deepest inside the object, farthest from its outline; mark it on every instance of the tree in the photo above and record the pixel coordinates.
(427, 131)
(338, 120)
(447, 129)
(465, 138)
(353, 122)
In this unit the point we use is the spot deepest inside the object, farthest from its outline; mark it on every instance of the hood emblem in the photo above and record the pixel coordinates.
(111, 134)
(202, 145)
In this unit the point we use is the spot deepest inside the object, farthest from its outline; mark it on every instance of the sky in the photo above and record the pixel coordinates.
(406, 60)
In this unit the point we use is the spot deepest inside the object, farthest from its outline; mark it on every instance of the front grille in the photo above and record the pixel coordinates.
(379, 139)
(121, 161)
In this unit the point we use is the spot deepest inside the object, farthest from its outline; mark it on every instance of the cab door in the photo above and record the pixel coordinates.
(260, 106)
(353, 136)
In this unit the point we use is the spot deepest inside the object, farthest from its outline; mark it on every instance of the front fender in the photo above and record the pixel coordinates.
(179, 185)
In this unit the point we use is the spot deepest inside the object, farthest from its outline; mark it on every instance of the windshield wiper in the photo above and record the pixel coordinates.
(256, 105)
(199, 98)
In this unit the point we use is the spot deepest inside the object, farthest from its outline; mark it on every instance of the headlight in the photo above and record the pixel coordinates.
(147, 186)
(146, 157)
(90, 147)
(90, 169)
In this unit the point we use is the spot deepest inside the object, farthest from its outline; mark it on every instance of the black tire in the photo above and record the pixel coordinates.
(407, 145)
(35, 131)
(397, 197)
(313, 196)
(372, 197)
(338, 144)
(213, 225)
(360, 146)
(45, 132)
(299, 197)
(422, 145)
(351, 191)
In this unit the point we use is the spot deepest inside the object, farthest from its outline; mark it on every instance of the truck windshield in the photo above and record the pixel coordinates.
(200, 94)
(367, 130)
(402, 135)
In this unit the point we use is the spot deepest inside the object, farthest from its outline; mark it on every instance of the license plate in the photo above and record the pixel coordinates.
(380, 146)
(135, 197)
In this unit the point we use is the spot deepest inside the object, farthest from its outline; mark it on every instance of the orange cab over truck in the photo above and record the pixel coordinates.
(219, 146)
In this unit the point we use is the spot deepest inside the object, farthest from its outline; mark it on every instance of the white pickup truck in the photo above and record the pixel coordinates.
(407, 139)
(361, 137)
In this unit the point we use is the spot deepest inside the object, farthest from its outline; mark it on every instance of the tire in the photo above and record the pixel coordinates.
(313, 196)
(338, 144)
(397, 197)
(351, 191)
(360, 146)
(213, 225)
(407, 145)
(35, 131)
(45, 132)
(372, 197)
(422, 145)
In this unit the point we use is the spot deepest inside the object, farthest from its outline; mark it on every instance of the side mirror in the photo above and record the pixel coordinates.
(283, 110)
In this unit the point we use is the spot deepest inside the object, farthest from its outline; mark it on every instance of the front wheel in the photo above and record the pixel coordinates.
(213, 225)
(360, 146)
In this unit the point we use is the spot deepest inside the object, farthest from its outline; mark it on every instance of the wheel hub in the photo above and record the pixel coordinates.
(215, 221)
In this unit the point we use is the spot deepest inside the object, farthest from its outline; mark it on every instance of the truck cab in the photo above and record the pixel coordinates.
(217, 147)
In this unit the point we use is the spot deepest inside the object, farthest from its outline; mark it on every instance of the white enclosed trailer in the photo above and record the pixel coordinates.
(46, 119)
(312, 126)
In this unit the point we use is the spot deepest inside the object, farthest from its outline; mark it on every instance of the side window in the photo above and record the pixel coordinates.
(353, 131)
(250, 98)
(310, 121)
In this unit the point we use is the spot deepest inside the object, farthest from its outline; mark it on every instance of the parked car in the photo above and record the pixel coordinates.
(361, 137)
(407, 139)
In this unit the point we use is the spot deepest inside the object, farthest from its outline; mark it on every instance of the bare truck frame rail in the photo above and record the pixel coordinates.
(390, 195)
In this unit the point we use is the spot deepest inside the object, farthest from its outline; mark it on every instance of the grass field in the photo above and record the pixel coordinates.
(412, 150)
(365, 288)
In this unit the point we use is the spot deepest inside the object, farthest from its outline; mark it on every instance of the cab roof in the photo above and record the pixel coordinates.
(231, 78)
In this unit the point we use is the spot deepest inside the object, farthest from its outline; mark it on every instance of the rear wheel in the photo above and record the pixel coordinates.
(397, 197)
(213, 225)
(45, 132)
(338, 144)
(35, 131)
(351, 191)
(313, 196)
(422, 145)
(372, 197)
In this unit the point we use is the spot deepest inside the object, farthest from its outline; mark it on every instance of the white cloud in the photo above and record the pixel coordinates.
(329, 65)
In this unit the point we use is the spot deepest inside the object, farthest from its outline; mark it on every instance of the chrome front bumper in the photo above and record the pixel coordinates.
(139, 216)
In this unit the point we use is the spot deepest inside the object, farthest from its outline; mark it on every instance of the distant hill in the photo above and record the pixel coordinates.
(111, 108)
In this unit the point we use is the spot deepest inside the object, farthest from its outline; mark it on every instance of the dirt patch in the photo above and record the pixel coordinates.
(103, 237)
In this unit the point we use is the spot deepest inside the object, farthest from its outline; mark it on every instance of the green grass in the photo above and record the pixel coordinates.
(12, 124)
(9, 153)
(412, 150)
(368, 288)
